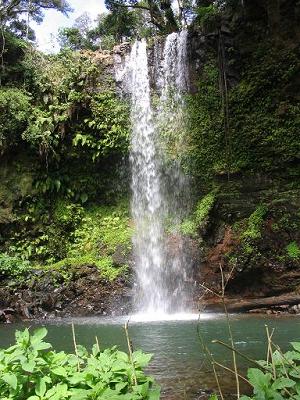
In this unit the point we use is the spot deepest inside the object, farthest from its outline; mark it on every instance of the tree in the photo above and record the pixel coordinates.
(11, 9)
(119, 24)
(71, 38)
(160, 11)
(15, 16)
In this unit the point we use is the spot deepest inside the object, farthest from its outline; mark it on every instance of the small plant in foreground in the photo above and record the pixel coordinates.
(30, 370)
(276, 378)
(279, 376)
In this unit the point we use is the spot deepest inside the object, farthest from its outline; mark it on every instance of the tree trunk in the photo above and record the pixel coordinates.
(234, 305)
(273, 11)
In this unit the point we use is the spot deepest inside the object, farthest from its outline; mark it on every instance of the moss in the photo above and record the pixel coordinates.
(255, 223)
(190, 225)
(105, 266)
(95, 239)
(102, 229)
(263, 115)
(203, 207)
(293, 250)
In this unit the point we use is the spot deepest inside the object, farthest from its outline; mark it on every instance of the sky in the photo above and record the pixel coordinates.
(47, 30)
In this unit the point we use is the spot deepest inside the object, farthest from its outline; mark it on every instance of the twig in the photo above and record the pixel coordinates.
(230, 334)
(233, 372)
(240, 354)
(75, 346)
(270, 350)
(208, 353)
(209, 290)
(97, 343)
(130, 351)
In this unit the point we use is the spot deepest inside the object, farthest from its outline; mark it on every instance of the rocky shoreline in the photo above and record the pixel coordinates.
(49, 295)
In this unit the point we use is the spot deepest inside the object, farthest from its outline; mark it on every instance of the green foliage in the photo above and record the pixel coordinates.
(279, 378)
(205, 154)
(207, 16)
(121, 23)
(107, 126)
(14, 71)
(12, 13)
(102, 228)
(72, 38)
(67, 215)
(76, 112)
(293, 250)
(204, 207)
(29, 370)
(263, 114)
(14, 110)
(13, 267)
(191, 225)
(188, 227)
(105, 265)
(79, 237)
(255, 223)
(264, 117)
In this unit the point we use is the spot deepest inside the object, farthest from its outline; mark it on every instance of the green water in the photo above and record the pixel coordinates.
(179, 363)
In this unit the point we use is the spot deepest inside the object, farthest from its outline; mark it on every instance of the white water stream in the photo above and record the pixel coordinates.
(157, 181)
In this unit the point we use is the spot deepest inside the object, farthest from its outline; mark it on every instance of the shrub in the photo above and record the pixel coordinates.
(14, 110)
(190, 225)
(279, 378)
(29, 370)
(12, 266)
(293, 250)
(255, 223)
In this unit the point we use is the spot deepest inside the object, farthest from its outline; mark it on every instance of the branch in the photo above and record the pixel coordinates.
(130, 6)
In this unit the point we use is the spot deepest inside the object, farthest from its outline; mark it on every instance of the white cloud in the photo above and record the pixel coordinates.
(46, 32)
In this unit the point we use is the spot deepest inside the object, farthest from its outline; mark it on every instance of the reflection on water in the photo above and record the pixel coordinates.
(179, 363)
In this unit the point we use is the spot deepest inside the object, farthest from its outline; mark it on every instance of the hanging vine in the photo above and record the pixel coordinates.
(225, 102)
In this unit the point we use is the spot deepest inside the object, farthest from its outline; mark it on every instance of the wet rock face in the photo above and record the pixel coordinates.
(258, 253)
(52, 295)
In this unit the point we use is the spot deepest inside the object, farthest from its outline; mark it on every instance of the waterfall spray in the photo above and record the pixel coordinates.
(160, 274)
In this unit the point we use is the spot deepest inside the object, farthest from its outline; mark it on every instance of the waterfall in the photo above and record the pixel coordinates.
(146, 188)
(157, 181)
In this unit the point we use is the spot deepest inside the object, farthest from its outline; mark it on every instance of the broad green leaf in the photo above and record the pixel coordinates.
(141, 359)
(11, 380)
(42, 346)
(38, 335)
(258, 379)
(154, 394)
(283, 382)
(296, 346)
(28, 366)
(40, 388)
(60, 371)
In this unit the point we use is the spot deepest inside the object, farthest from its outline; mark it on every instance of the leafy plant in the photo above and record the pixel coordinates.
(279, 377)
(255, 223)
(14, 109)
(293, 250)
(190, 225)
(30, 370)
(11, 266)
(106, 129)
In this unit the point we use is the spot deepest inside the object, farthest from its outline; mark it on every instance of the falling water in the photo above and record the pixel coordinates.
(146, 188)
(160, 272)
(171, 125)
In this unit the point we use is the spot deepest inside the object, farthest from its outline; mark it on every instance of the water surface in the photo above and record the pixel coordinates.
(179, 362)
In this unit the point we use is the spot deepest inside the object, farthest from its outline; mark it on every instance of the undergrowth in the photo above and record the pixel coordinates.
(31, 370)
